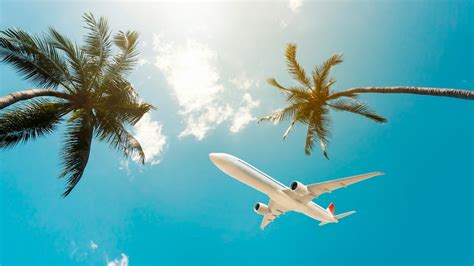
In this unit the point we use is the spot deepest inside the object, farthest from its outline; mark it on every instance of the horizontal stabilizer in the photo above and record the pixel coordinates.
(342, 215)
(339, 216)
(322, 223)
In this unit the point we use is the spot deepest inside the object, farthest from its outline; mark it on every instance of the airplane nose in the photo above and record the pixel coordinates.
(223, 161)
(216, 158)
(213, 157)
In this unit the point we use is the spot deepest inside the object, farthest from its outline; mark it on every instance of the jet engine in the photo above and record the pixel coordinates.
(261, 208)
(299, 188)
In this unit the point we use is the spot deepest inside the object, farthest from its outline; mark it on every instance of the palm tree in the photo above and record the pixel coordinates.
(311, 100)
(84, 86)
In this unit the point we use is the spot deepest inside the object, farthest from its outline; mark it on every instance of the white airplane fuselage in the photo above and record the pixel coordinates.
(251, 176)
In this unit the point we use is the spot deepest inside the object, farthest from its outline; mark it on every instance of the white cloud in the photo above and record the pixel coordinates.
(123, 261)
(199, 122)
(244, 115)
(295, 5)
(93, 245)
(125, 166)
(149, 135)
(243, 82)
(191, 71)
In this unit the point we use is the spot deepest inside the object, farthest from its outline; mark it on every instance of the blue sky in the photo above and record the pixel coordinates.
(204, 66)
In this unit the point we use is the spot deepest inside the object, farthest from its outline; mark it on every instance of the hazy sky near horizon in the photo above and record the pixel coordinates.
(204, 66)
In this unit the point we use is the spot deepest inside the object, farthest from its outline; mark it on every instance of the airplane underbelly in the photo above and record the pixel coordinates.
(254, 179)
(316, 212)
(310, 209)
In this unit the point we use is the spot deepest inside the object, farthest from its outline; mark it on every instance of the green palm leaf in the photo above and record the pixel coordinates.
(130, 145)
(122, 63)
(128, 57)
(34, 58)
(30, 121)
(75, 57)
(121, 100)
(76, 149)
(111, 130)
(98, 45)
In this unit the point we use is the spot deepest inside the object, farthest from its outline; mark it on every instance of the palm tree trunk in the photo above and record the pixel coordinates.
(14, 97)
(454, 93)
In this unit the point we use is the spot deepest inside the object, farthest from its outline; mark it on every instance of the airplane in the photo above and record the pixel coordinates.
(298, 197)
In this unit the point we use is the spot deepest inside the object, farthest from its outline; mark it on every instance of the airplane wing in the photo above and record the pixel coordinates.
(317, 189)
(275, 211)
(328, 186)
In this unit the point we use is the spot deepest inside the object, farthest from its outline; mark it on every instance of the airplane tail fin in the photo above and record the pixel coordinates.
(330, 208)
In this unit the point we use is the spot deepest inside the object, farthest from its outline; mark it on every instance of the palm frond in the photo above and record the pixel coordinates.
(75, 56)
(125, 142)
(97, 43)
(34, 58)
(318, 124)
(76, 149)
(128, 57)
(293, 94)
(275, 84)
(357, 107)
(330, 82)
(122, 63)
(281, 115)
(294, 68)
(298, 95)
(133, 147)
(119, 89)
(111, 130)
(323, 131)
(131, 113)
(122, 101)
(332, 61)
(309, 142)
(30, 121)
(321, 74)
